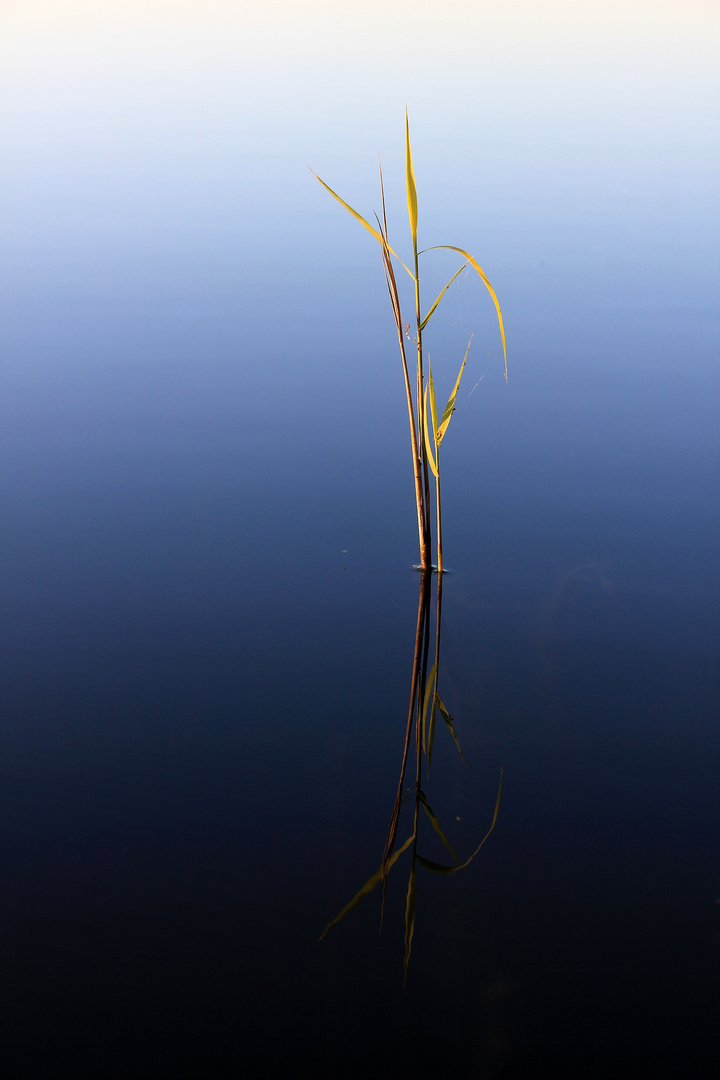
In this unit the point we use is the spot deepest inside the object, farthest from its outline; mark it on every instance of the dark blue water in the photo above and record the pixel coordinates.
(209, 606)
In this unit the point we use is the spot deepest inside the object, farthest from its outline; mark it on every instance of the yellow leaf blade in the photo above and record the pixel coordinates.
(450, 407)
(433, 402)
(410, 183)
(361, 219)
(427, 318)
(428, 448)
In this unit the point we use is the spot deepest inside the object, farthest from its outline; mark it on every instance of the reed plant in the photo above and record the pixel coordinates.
(425, 453)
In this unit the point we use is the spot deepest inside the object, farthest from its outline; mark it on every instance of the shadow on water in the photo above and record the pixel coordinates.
(425, 705)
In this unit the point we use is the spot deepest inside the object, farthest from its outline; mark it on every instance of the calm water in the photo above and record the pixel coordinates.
(208, 601)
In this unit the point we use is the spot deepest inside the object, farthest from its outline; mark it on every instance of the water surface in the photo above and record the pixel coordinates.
(208, 535)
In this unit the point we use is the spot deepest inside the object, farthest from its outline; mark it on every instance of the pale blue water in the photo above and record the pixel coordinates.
(209, 604)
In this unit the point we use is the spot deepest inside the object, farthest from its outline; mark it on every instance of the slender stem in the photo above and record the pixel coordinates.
(426, 558)
(395, 301)
(419, 501)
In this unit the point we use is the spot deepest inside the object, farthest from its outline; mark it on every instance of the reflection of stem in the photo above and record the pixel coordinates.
(412, 886)
(419, 666)
(439, 517)
(431, 720)
(424, 697)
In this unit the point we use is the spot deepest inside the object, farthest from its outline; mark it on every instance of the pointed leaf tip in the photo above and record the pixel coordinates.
(410, 183)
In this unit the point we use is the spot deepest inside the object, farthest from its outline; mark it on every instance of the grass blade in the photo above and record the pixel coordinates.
(361, 219)
(428, 448)
(410, 183)
(368, 887)
(433, 402)
(473, 263)
(426, 320)
(450, 407)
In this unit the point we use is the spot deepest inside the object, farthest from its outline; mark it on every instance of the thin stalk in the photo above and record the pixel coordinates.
(413, 218)
(421, 407)
(420, 501)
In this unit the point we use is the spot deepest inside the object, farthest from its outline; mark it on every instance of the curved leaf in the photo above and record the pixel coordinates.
(473, 263)
(439, 868)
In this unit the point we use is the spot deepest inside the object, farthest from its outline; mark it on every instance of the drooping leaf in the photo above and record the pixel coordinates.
(450, 407)
(368, 887)
(427, 318)
(410, 915)
(410, 183)
(426, 435)
(428, 693)
(361, 219)
(473, 263)
(448, 720)
(436, 825)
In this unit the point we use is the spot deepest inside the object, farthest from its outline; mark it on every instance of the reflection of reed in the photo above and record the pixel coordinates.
(422, 645)
(422, 713)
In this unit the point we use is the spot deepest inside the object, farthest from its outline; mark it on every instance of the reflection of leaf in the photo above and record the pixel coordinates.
(428, 692)
(410, 915)
(448, 720)
(436, 824)
(438, 868)
(367, 888)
